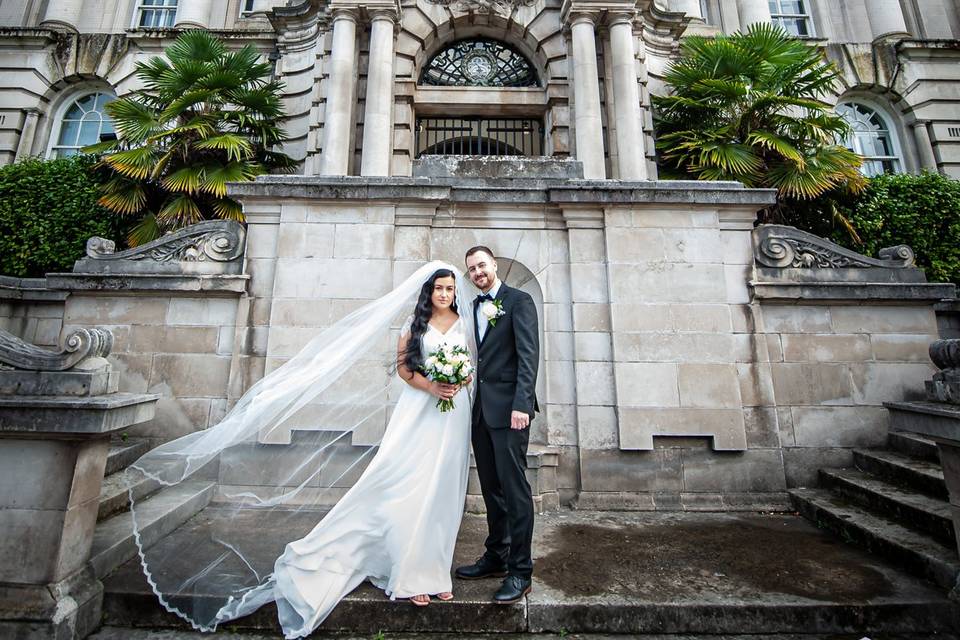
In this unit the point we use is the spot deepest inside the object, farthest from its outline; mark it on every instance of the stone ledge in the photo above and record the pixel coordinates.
(29, 290)
(71, 416)
(866, 292)
(134, 283)
(929, 419)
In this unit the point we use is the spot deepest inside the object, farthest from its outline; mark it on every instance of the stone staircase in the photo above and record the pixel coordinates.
(160, 510)
(892, 503)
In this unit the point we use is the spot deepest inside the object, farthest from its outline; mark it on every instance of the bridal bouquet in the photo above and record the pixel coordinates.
(450, 365)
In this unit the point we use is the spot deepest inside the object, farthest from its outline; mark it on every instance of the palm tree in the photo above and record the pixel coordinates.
(205, 117)
(750, 107)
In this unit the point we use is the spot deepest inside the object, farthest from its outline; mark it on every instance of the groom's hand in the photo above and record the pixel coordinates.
(519, 420)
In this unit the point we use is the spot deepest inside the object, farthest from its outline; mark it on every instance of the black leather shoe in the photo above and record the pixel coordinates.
(512, 590)
(484, 567)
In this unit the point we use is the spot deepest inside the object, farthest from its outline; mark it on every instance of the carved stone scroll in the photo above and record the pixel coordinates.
(79, 345)
(783, 247)
(945, 385)
(502, 7)
(213, 246)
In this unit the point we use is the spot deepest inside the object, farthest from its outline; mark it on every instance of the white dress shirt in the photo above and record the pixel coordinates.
(481, 319)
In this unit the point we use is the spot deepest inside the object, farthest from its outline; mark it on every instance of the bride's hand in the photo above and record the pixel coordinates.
(443, 391)
(467, 381)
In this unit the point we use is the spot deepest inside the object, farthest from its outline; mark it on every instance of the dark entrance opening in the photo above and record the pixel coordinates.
(479, 136)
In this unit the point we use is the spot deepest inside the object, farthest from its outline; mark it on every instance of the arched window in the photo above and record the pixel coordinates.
(872, 137)
(792, 15)
(478, 62)
(84, 122)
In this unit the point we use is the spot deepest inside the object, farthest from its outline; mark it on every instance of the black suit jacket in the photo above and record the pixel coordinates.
(507, 362)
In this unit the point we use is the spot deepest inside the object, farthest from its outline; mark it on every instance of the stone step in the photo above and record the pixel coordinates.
(919, 511)
(913, 445)
(123, 453)
(921, 475)
(128, 633)
(913, 551)
(158, 515)
(115, 491)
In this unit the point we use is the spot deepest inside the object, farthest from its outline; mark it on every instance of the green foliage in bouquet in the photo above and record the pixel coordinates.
(205, 117)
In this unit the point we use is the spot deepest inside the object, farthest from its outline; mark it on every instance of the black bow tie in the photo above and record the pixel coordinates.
(484, 296)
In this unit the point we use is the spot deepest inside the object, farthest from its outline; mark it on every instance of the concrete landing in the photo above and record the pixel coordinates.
(639, 573)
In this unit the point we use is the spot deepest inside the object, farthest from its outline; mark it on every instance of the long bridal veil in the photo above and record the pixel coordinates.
(288, 450)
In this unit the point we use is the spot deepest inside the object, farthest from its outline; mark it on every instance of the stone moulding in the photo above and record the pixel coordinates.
(79, 345)
(780, 246)
(210, 247)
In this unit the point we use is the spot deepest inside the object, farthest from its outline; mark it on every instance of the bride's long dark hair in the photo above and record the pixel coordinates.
(412, 357)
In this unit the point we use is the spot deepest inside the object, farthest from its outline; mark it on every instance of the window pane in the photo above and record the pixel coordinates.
(102, 100)
(69, 131)
(87, 103)
(791, 6)
(774, 7)
(89, 132)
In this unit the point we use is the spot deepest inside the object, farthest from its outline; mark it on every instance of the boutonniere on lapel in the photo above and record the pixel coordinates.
(492, 310)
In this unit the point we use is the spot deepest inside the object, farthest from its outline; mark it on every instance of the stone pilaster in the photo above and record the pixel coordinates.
(378, 111)
(630, 141)
(752, 12)
(924, 146)
(28, 132)
(587, 120)
(338, 116)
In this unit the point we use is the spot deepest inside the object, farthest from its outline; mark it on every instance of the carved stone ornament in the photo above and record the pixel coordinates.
(216, 240)
(945, 385)
(783, 247)
(79, 345)
(502, 7)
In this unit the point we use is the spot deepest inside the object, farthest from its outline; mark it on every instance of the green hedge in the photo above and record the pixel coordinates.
(922, 211)
(48, 209)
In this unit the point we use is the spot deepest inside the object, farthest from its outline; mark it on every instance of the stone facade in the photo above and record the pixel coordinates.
(355, 66)
(682, 366)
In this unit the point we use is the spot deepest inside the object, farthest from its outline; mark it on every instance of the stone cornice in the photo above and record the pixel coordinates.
(561, 193)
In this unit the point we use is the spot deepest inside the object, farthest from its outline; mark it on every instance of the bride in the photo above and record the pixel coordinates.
(396, 526)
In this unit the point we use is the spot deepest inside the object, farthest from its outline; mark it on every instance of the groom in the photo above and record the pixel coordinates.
(508, 347)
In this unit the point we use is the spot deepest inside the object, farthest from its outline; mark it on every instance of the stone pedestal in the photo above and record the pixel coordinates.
(54, 438)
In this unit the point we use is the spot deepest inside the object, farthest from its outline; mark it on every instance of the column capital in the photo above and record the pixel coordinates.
(345, 13)
(579, 17)
(919, 123)
(621, 17)
(382, 13)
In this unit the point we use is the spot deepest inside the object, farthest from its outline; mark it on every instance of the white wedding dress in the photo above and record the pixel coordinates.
(398, 524)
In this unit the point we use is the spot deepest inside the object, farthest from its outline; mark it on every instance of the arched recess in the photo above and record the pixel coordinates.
(535, 32)
(515, 274)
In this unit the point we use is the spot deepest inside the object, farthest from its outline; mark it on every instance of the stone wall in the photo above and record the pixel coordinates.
(30, 311)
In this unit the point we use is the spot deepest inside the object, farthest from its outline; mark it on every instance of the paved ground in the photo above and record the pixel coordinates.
(681, 573)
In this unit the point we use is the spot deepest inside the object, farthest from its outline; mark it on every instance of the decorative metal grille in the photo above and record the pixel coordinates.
(479, 136)
(479, 62)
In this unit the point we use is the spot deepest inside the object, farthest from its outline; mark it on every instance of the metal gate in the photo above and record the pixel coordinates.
(479, 136)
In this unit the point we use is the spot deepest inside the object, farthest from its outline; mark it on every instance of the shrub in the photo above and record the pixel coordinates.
(922, 211)
(48, 209)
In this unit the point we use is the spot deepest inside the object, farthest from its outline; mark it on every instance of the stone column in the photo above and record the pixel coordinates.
(339, 112)
(752, 12)
(924, 146)
(626, 96)
(886, 18)
(589, 126)
(62, 14)
(378, 112)
(28, 133)
(193, 13)
(689, 7)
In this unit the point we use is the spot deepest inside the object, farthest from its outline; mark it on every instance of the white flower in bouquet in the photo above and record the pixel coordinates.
(450, 365)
